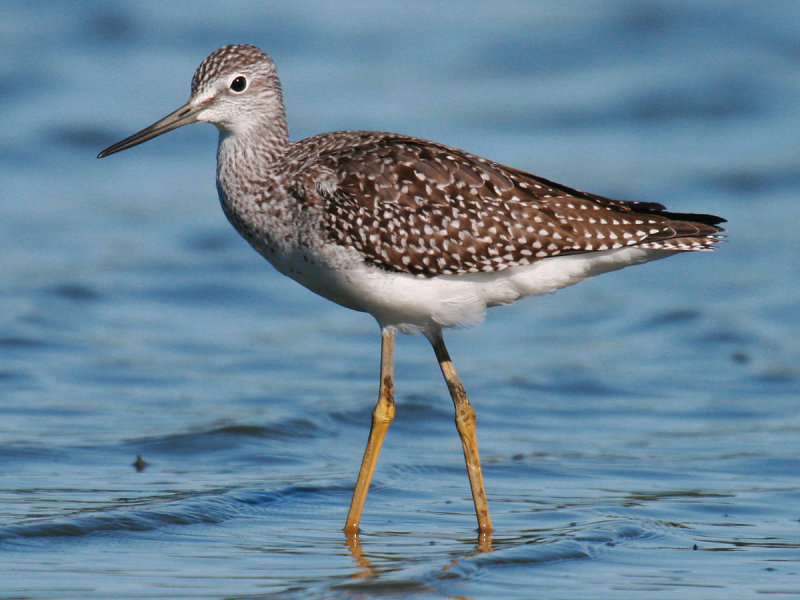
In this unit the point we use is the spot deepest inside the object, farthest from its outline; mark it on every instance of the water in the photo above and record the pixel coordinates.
(640, 432)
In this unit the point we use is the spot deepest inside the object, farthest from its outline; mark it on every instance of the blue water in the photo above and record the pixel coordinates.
(640, 432)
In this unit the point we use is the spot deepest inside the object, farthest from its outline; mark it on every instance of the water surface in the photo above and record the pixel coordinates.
(640, 432)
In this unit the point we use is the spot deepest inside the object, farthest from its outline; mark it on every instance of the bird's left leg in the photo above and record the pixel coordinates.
(465, 423)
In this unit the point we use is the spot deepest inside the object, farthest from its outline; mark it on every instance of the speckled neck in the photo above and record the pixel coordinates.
(247, 156)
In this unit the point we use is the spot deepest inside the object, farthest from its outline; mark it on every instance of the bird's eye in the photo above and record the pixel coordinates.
(239, 84)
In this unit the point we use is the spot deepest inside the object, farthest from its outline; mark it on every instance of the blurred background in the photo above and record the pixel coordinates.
(623, 421)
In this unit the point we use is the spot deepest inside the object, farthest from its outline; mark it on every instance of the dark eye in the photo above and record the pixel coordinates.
(239, 84)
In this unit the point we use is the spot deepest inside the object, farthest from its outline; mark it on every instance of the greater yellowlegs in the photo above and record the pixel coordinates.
(419, 235)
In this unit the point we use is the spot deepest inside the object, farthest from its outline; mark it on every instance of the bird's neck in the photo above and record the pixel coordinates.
(252, 147)
(249, 164)
(249, 157)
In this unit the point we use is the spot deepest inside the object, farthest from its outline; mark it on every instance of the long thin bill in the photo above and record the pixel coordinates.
(183, 116)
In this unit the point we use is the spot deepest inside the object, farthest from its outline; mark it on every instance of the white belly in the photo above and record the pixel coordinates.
(414, 304)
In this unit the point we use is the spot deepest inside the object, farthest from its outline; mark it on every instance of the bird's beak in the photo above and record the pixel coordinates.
(183, 116)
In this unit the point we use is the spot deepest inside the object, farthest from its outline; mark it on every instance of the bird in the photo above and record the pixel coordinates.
(420, 235)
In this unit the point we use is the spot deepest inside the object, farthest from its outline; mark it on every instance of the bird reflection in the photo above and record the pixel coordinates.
(367, 570)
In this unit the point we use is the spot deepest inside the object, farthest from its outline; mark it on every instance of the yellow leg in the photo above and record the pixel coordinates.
(381, 419)
(465, 423)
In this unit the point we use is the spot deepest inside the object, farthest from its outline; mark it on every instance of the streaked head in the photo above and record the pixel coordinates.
(235, 88)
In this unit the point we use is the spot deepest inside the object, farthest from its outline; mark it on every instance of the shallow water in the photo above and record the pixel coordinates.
(640, 432)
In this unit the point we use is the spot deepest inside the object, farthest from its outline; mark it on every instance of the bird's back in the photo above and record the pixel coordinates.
(413, 206)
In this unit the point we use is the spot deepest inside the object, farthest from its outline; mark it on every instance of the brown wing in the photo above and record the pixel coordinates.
(418, 207)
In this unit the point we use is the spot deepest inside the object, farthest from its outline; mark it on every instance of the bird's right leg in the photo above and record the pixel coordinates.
(381, 419)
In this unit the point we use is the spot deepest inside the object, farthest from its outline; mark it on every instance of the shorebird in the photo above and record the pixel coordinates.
(420, 235)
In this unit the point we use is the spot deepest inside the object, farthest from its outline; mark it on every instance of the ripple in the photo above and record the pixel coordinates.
(670, 318)
(87, 136)
(20, 341)
(178, 513)
(210, 507)
(226, 436)
(536, 553)
(74, 291)
(752, 180)
(570, 383)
